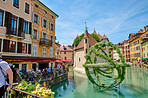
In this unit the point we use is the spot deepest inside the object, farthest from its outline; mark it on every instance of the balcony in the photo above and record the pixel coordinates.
(46, 42)
(14, 33)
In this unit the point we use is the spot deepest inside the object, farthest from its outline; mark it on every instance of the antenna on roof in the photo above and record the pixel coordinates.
(86, 26)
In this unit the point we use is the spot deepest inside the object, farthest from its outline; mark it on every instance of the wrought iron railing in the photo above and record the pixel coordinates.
(44, 41)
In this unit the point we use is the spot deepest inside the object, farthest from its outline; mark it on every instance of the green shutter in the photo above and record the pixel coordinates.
(38, 35)
(38, 20)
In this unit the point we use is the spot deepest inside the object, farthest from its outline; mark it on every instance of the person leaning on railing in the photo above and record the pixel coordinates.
(4, 70)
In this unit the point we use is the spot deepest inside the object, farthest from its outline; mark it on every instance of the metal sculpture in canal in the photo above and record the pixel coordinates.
(110, 66)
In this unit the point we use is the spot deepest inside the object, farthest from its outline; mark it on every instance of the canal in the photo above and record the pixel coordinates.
(78, 86)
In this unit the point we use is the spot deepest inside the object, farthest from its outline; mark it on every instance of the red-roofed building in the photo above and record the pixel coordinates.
(82, 49)
(67, 53)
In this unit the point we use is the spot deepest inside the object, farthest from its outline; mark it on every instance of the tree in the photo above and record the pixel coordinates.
(96, 37)
(78, 40)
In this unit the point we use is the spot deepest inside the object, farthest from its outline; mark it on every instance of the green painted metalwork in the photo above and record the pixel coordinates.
(110, 65)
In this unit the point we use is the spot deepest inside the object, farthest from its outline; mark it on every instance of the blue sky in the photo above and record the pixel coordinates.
(114, 18)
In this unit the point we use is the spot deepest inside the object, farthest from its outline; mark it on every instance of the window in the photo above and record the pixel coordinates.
(36, 6)
(44, 24)
(85, 40)
(25, 28)
(26, 8)
(51, 16)
(43, 51)
(24, 67)
(12, 46)
(16, 3)
(35, 18)
(86, 50)
(34, 34)
(3, 0)
(24, 48)
(14, 25)
(79, 59)
(44, 35)
(64, 52)
(1, 17)
(144, 54)
(45, 12)
(34, 50)
(51, 27)
(51, 52)
(65, 58)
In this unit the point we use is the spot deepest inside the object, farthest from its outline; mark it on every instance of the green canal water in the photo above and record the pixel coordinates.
(135, 85)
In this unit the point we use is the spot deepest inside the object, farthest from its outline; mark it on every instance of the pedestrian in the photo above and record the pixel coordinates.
(4, 70)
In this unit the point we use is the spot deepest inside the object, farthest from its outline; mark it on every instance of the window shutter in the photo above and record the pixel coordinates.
(49, 37)
(19, 47)
(42, 22)
(53, 28)
(32, 33)
(46, 36)
(32, 16)
(38, 35)
(29, 49)
(47, 24)
(30, 28)
(6, 45)
(0, 44)
(50, 26)
(51, 52)
(42, 34)
(38, 20)
(53, 40)
(20, 27)
(8, 19)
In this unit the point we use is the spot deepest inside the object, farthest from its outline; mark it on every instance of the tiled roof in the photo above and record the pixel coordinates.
(100, 36)
(94, 31)
(105, 37)
(65, 48)
(92, 41)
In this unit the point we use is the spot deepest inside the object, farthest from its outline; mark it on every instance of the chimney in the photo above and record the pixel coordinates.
(146, 28)
(141, 31)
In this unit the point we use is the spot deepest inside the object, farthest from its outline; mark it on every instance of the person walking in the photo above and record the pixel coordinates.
(4, 70)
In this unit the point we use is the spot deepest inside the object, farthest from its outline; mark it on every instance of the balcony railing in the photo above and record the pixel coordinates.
(14, 32)
(46, 42)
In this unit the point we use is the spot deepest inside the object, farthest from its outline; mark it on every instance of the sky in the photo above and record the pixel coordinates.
(114, 18)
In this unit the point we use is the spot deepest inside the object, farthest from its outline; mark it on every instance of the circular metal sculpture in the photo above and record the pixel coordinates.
(110, 66)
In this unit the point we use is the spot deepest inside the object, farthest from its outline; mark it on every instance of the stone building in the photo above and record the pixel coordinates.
(43, 35)
(115, 54)
(82, 49)
(126, 50)
(67, 54)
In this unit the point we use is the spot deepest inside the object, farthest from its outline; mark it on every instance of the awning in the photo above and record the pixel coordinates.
(59, 61)
(143, 58)
(66, 60)
(27, 59)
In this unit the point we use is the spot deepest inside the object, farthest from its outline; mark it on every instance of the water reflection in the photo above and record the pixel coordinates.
(78, 86)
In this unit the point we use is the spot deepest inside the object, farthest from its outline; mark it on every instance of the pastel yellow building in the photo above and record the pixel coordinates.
(135, 46)
(144, 44)
(43, 35)
(27, 34)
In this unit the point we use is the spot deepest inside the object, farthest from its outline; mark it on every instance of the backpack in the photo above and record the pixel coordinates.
(5, 76)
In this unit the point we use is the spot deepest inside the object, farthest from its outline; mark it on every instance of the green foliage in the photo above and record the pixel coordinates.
(109, 65)
(95, 36)
(78, 39)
